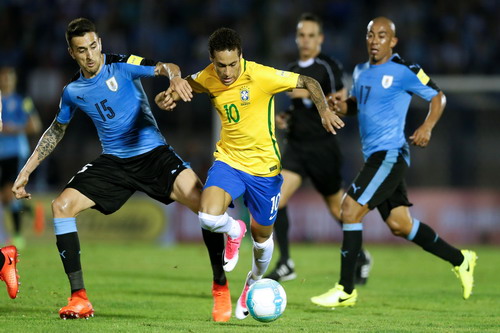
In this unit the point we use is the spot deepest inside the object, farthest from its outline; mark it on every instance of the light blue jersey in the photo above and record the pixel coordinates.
(117, 104)
(383, 93)
(16, 112)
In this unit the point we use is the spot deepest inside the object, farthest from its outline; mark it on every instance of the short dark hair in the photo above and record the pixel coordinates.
(224, 39)
(79, 27)
(313, 18)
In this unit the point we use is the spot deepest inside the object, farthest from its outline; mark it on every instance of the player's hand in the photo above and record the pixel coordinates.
(334, 103)
(19, 187)
(331, 121)
(282, 120)
(182, 87)
(421, 136)
(165, 100)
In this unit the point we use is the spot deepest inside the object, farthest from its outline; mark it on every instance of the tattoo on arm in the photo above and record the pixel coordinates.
(50, 139)
(315, 91)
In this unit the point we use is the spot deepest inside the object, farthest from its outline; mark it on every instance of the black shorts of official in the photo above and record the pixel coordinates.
(381, 182)
(320, 160)
(8, 170)
(110, 181)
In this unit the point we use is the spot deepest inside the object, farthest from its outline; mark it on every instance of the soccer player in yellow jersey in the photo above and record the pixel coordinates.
(247, 156)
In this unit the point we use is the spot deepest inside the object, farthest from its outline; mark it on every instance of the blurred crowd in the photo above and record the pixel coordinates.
(444, 36)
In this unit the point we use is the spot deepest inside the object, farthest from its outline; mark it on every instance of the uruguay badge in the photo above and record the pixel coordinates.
(112, 84)
(387, 81)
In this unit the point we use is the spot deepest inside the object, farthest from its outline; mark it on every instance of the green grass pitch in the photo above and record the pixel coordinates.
(148, 288)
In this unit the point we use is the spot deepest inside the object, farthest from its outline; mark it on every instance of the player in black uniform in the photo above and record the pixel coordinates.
(310, 151)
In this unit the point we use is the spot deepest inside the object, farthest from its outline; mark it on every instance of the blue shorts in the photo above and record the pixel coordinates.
(261, 194)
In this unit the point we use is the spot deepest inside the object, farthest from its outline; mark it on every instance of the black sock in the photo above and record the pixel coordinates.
(16, 218)
(281, 226)
(215, 246)
(69, 250)
(351, 245)
(361, 256)
(429, 240)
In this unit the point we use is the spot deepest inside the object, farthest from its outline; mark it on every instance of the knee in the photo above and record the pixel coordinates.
(264, 244)
(62, 207)
(347, 214)
(335, 211)
(263, 250)
(211, 222)
(398, 228)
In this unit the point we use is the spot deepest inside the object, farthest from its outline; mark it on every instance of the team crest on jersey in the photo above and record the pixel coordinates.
(112, 84)
(245, 95)
(387, 81)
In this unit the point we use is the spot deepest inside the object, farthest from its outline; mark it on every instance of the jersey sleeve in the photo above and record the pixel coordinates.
(417, 82)
(196, 81)
(273, 80)
(135, 66)
(66, 108)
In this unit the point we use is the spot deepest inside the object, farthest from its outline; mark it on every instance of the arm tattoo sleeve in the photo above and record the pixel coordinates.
(50, 139)
(315, 91)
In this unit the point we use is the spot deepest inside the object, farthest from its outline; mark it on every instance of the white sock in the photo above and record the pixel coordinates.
(262, 255)
(235, 230)
(220, 223)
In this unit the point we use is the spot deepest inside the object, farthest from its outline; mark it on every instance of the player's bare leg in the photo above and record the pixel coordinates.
(65, 208)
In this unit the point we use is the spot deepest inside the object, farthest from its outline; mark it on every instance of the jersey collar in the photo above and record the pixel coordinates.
(306, 63)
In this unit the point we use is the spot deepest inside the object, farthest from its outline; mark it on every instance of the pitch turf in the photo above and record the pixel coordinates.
(148, 288)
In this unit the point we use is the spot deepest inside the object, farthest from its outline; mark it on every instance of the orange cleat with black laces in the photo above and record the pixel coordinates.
(222, 302)
(8, 274)
(78, 306)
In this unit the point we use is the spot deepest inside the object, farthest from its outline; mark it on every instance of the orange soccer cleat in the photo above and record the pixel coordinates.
(78, 306)
(9, 270)
(222, 302)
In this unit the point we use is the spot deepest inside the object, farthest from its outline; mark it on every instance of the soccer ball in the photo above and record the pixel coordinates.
(266, 300)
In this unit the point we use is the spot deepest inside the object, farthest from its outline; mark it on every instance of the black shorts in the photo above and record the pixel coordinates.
(8, 170)
(381, 182)
(110, 181)
(320, 160)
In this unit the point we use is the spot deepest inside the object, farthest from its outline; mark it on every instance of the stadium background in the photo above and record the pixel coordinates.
(454, 182)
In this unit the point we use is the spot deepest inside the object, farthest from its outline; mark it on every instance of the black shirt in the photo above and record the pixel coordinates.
(305, 122)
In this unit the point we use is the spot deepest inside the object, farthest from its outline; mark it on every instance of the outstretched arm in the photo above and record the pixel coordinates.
(422, 135)
(44, 148)
(177, 83)
(329, 119)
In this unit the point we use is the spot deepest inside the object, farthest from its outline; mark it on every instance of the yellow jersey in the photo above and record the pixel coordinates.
(246, 110)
